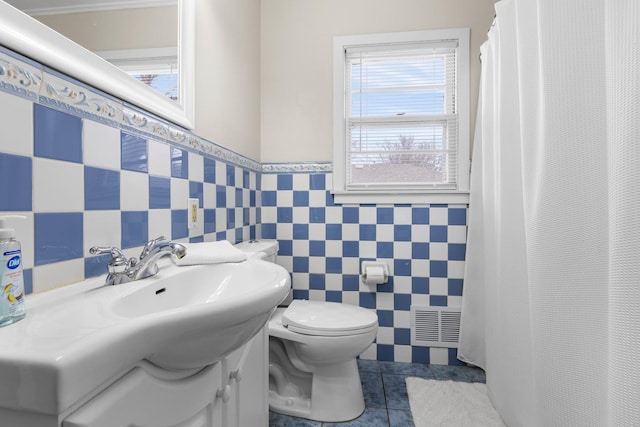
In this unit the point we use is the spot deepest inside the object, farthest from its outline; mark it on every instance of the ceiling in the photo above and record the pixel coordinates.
(53, 7)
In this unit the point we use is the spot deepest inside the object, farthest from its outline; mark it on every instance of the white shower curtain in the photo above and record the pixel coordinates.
(551, 305)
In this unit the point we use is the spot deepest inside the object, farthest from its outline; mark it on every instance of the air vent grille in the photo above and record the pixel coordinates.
(435, 326)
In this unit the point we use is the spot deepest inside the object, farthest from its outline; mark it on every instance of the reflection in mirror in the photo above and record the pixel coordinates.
(150, 40)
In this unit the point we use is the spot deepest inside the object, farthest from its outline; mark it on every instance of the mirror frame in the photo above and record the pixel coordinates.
(25, 35)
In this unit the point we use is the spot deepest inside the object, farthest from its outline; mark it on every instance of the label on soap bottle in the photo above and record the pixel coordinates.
(12, 284)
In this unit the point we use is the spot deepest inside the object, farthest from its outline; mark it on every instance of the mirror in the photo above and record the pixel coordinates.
(31, 38)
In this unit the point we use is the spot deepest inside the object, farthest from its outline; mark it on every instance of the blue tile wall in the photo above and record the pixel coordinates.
(86, 176)
(323, 246)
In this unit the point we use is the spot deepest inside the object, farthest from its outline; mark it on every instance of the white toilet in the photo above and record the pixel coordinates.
(313, 347)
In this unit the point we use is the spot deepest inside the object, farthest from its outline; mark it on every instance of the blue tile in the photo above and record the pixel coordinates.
(300, 264)
(269, 198)
(231, 175)
(209, 170)
(420, 355)
(419, 215)
(268, 231)
(387, 286)
(333, 232)
(300, 198)
(58, 237)
(245, 216)
(159, 192)
(284, 215)
(420, 285)
(402, 233)
(96, 266)
(317, 182)
(179, 223)
(350, 248)
(221, 196)
(350, 282)
(245, 179)
(333, 296)
(419, 250)
(238, 236)
(384, 352)
(438, 268)
(454, 287)
(453, 358)
(285, 182)
(438, 233)
(196, 191)
(301, 231)
(317, 281)
(400, 418)
(395, 390)
(101, 189)
(385, 318)
(259, 182)
(56, 135)
(27, 277)
(197, 239)
(350, 215)
(402, 267)
(457, 216)
(384, 216)
(373, 390)
(372, 417)
(16, 174)
(300, 294)
(239, 198)
(333, 265)
(438, 300)
(317, 248)
(317, 215)
(231, 218)
(402, 336)
(367, 300)
(368, 232)
(179, 163)
(402, 302)
(384, 249)
(329, 199)
(285, 247)
(457, 251)
(135, 228)
(252, 198)
(209, 220)
(134, 155)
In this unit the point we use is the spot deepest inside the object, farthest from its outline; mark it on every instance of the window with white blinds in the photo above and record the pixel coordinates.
(402, 103)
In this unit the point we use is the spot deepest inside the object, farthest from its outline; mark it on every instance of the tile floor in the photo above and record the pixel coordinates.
(385, 393)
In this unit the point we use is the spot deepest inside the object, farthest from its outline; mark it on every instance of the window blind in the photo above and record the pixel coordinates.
(401, 116)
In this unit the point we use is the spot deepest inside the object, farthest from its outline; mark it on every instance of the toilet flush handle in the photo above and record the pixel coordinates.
(237, 375)
(224, 393)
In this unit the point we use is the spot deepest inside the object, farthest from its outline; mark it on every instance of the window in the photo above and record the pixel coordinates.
(401, 117)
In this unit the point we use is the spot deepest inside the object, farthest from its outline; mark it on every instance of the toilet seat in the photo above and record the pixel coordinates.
(328, 319)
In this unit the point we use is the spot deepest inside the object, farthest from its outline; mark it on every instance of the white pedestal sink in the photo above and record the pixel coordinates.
(76, 339)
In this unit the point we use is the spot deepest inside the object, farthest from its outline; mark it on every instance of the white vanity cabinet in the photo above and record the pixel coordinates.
(231, 393)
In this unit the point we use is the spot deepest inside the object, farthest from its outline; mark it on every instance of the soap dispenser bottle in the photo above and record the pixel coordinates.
(11, 280)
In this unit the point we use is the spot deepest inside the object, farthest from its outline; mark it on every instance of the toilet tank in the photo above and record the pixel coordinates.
(268, 249)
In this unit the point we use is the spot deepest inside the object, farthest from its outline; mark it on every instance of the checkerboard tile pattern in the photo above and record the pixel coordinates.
(323, 246)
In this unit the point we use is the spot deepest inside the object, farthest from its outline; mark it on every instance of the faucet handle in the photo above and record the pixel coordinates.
(150, 244)
(115, 252)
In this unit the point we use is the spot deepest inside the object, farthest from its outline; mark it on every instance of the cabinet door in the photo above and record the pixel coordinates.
(139, 399)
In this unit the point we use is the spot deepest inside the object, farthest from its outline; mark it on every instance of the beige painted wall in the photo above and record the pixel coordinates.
(297, 43)
(228, 74)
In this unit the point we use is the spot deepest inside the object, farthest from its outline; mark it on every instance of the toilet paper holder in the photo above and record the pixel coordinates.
(374, 272)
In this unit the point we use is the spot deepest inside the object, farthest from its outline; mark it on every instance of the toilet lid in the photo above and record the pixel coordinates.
(328, 318)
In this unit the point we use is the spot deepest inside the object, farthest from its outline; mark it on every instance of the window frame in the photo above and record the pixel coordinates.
(398, 193)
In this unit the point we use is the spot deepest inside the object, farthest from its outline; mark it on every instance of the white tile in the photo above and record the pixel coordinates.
(351, 297)
(24, 234)
(402, 285)
(457, 234)
(285, 198)
(317, 264)
(238, 177)
(221, 173)
(16, 122)
(402, 250)
(101, 145)
(231, 197)
(454, 301)
(269, 181)
(317, 198)
(49, 276)
(402, 215)
(179, 193)
(370, 353)
(300, 248)
(351, 232)
(384, 301)
(368, 249)
(402, 319)
(420, 233)
(421, 300)
(101, 228)
(160, 223)
(384, 232)
(300, 281)
(301, 215)
(159, 159)
(368, 215)
(301, 182)
(351, 265)
(317, 295)
(402, 353)
(385, 335)
(438, 356)
(58, 186)
(316, 231)
(270, 215)
(329, 181)
(333, 215)
(420, 268)
(438, 251)
(438, 216)
(209, 194)
(134, 191)
(455, 269)
(333, 282)
(333, 248)
(284, 231)
(196, 167)
(438, 286)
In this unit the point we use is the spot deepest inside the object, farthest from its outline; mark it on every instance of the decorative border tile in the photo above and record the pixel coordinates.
(304, 167)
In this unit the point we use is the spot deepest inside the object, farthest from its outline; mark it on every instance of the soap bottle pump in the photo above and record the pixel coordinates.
(11, 280)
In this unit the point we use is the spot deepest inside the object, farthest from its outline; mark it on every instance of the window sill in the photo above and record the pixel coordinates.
(400, 197)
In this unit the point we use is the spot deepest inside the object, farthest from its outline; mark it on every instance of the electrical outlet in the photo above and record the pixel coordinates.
(193, 212)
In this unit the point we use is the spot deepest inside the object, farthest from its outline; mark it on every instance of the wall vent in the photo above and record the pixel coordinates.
(435, 326)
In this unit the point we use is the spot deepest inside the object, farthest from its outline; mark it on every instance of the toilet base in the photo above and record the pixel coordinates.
(336, 395)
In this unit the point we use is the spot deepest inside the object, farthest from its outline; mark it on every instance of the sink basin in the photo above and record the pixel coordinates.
(184, 318)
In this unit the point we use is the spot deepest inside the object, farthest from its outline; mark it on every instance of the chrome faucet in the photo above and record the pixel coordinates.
(123, 270)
